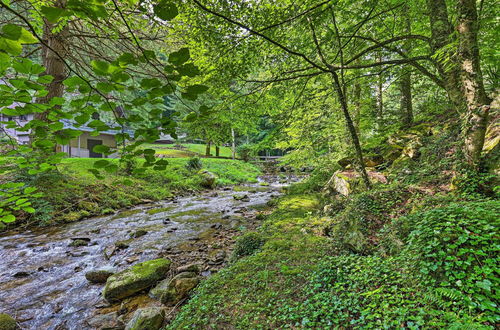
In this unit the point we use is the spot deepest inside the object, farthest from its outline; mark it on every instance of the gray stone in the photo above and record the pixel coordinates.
(170, 292)
(99, 275)
(193, 268)
(146, 319)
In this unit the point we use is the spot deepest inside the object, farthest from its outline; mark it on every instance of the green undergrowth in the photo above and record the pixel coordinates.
(424, 261)
(73, 193)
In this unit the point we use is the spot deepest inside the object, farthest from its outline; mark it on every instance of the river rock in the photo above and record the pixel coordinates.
(123, 244)
(241, 197)
(78, 243)
(138, 233)
(192, 268)
(136, 278)
(146, 319)
(7, 322)
(170, 292)
(99, 275)
(209, 180)
(108, 321)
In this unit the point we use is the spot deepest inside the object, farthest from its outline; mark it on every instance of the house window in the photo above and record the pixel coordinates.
(23, 117)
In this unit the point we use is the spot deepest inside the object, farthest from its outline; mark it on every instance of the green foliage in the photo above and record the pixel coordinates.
(457, 251)
(246, 151)
(247, 244)
(194, 164)
(473, 182)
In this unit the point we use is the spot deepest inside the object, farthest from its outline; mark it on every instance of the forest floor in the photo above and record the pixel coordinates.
(419, 251)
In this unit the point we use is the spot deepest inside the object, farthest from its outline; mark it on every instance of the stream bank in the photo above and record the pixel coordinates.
(42, 278)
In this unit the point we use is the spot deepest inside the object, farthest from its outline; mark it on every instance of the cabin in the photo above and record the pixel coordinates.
(81, 147)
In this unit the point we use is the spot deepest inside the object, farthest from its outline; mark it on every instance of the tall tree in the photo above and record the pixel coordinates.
(461, 72)
(406, 107)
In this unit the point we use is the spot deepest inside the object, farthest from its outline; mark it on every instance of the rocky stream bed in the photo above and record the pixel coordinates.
(43, 282)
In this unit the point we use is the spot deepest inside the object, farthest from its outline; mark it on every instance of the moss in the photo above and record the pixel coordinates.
(135, 279)
(7, 322)
(126, 214)
(71, 216)
(159, 210)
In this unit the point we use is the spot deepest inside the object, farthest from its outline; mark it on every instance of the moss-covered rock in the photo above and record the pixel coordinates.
(7, 322)
(137, 278)
(138, 233)
(209, 180)
(170, 292)
(146, 319)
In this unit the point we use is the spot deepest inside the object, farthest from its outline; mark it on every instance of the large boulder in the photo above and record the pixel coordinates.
(146, 319)
(208, 179)
(170, 292)
(7, 322)
(136, 278)
(345, 182)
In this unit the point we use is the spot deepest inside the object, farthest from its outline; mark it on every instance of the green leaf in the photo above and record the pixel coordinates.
(8, 218)
(189, 70)
(29, 209)
(12, 31)
(196, 89)
(52, 13)
(101, 149)
(165, 10)
(191, 117)
(100, 67)
(101, 163)
(179, 57)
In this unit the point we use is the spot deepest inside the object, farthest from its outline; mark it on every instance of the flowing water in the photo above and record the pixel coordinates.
(42, 277)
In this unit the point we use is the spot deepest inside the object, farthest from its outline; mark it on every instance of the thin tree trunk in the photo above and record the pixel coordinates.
(352, 130)
(233, 141)
(207, 149)
(379, 99)
(405, 80)
(217, 151)
(356, 116)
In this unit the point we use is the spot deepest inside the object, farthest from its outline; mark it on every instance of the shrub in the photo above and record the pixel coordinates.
(247, 245)
(194, 164)
(246, 151)
(457, 250)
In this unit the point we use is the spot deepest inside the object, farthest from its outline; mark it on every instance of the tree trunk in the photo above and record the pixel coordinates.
(478, 102)
(217, 151)
(207, 149)
(52, 61)
(233, 142)
(379, 99)
(352, 130)
(462, 73)
(406, 106)
(356, 116)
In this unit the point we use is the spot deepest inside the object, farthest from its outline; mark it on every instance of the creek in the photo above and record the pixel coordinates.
(42, 270)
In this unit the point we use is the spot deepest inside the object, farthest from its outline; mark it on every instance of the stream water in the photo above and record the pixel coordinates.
(42, 276)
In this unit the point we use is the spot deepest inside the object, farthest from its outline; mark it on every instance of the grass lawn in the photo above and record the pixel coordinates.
(189, 150)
